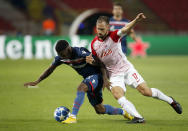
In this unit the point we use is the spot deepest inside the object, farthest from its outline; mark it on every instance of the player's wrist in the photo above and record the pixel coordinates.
(136, 20)
(93, 62)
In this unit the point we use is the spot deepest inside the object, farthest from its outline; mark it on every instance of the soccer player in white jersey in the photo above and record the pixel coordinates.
(107, 47)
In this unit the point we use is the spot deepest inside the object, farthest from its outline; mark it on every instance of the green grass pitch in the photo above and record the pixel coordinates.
(31, 109)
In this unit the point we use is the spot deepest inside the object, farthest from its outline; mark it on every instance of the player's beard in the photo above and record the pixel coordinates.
(103, 36)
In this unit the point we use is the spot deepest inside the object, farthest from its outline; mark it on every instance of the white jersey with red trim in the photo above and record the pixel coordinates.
(110, 53)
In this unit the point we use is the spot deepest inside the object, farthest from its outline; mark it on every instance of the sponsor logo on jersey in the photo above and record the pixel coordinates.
(93, 81)
(106, 53)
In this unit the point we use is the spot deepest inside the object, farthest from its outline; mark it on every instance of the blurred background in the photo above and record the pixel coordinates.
(73, 20)
(21, 17)
(29, 30)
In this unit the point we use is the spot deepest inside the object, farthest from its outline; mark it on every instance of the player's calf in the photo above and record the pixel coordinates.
(156, 93)
(144, 89)
(117, 92)
(108, 109)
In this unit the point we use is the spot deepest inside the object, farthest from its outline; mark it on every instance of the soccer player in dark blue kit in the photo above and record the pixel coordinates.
(117, 22)
(94, 80)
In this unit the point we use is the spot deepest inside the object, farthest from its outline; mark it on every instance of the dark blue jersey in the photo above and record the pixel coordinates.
(78, 62)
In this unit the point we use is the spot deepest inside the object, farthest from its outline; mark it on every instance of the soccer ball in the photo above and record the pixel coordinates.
(61, 113)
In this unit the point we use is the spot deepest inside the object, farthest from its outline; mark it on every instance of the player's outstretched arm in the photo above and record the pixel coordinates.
(44, 75)
(130, 25)
(132, 34)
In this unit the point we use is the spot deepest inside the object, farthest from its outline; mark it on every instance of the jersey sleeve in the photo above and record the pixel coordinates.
(57, 61)
(115, 36)
(92, 49)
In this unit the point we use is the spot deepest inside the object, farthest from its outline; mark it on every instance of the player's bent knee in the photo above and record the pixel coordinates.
(99, 109)
(146, 93)
(117, 92)
(99, 112)
(82, 87)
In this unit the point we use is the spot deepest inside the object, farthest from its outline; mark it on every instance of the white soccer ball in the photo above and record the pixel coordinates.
(61, 113)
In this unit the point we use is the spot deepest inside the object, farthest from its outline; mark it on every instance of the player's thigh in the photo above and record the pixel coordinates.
(93, 82)
(94, 93)
(117, 81)
(133, 78)
(95, 98)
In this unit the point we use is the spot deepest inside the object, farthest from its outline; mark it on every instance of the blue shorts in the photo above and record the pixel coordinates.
(94, 84)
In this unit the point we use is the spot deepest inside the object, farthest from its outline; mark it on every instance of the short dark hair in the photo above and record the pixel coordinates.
(103, 19)
(61, 45)
(118, 4)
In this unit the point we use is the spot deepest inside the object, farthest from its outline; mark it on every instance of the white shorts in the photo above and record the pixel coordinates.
(131, 78)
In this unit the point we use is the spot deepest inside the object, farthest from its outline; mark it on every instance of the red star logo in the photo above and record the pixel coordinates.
(138, 48)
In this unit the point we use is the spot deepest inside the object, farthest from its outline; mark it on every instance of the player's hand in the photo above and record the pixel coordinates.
(89, 59)
(31, 84)
(106, 84)
(140, 17)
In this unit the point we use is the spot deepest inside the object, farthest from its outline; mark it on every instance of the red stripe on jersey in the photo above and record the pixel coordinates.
(92, 50)
(115, 37)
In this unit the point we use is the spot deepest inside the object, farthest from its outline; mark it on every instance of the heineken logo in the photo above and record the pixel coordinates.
(39, 48)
